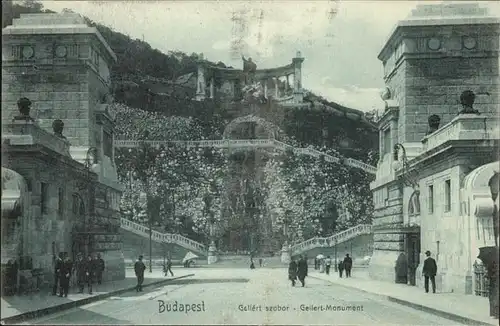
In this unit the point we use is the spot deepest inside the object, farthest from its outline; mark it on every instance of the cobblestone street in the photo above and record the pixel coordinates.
(240, 296)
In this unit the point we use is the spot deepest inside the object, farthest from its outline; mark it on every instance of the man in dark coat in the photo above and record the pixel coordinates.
(347, 265)
(57, 271)
(302, 270)
(65, 275)
(168, 267)
(292, 272)
(89, 272)
(429, 270)
(98, 266)
(83, 273)
(139, 269)
(341, 268)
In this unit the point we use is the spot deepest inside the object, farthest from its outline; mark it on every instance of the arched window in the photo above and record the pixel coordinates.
(414, 204)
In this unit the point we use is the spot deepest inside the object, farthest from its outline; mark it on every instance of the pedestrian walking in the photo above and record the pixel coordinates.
(252, 265)
(347, 265)
(328, 263)
(98, 268)
(302, 270)
(89, 273)
(292, 272)
(139, 269)
(65, 275)
(260, 262)
(341, 268)
(429, 271)
(57, 272)
(168, 267)
(316, 264)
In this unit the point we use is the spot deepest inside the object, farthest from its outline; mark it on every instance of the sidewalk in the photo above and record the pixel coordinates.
(19, 308)
(466, 309)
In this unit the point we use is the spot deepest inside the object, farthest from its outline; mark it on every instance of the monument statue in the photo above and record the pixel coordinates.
(249, 69)
(467, 99)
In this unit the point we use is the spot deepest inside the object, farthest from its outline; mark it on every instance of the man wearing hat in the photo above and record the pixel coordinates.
(429, 271)
(139, 269)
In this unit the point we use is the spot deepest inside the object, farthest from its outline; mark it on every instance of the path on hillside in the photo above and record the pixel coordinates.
(252, 143)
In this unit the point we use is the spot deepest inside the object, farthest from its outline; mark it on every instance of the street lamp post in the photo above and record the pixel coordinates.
(336, 267)
(149, 217)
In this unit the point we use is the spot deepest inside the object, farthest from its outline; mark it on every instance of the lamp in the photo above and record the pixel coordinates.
(408, 180)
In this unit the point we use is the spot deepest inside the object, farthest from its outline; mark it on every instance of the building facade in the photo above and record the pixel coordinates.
(55, 70)
(440, 128)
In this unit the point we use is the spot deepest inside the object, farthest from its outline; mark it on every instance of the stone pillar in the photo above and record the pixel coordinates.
(265, 88)
(212, 253)
(276, 89)
(287, 84)
(286, 256)
(200, 83)
(212, 88)
(297, 79)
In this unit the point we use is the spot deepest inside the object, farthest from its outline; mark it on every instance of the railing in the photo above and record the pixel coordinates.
(482, 281)
(163, 237)
(463, 127)
(240, 143)
(20, 132)
(332, 240)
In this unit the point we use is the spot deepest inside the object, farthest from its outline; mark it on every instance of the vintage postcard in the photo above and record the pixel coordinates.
(250, 162)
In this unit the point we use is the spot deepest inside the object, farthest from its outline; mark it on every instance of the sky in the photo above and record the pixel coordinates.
(340, 40)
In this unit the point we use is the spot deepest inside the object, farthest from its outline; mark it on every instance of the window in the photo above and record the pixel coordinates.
(387, 141)
(414, 204)
(431, 199)
(44, 196)
(447, 195)
(61, 202)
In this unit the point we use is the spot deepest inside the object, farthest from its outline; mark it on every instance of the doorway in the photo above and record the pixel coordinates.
(413, 254)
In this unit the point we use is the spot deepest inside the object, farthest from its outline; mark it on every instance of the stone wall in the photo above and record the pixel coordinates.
(434, 87)
(47, 231)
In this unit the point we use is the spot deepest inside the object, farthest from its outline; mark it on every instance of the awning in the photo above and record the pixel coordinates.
(14, 188)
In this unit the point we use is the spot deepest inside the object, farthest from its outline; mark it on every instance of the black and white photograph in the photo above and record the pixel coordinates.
(226, 162)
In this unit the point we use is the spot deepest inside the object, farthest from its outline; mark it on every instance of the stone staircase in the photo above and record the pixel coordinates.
(331, 241)
(159, 237)
(202, 250)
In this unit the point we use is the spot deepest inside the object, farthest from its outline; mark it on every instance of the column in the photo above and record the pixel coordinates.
(276, 90)
(286, 253)
(200, 83)
(287, 84)
(265, 88)
(212, 88)
(212, 250)
(297, 80)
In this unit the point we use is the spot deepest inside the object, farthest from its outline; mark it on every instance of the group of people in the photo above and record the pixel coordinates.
(298, 269)
(343, 265)
(87, 271)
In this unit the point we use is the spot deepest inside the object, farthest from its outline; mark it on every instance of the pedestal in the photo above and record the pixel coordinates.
(285, 254)
(212, 253)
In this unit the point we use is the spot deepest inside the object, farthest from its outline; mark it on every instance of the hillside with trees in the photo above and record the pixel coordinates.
(189, 188)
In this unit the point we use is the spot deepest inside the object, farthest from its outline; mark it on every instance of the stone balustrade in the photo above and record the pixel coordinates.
(163, 237)
(248, 143)
(332, 240)
(25, 132)
(463, 127)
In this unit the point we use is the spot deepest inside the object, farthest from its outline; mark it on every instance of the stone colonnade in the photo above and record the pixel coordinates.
(276, 75)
